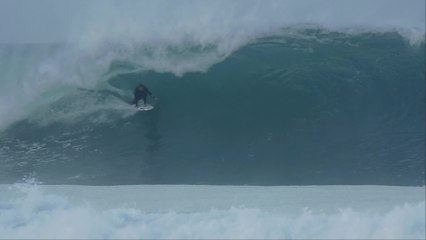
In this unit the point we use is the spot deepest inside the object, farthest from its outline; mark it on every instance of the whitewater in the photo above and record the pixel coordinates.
(220, 212)
(275, 120)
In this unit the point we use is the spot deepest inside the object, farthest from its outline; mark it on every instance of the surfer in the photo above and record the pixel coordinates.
(141, 92)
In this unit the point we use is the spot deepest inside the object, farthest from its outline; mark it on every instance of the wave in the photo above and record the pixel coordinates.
(301, 105)
(164, 212)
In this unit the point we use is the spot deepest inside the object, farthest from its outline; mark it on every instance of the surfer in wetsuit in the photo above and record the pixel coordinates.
(141, 92)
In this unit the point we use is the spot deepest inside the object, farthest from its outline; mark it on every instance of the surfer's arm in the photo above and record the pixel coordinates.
(147, 90)
(150, 93)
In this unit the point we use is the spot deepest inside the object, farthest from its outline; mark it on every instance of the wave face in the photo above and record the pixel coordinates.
(300, 106)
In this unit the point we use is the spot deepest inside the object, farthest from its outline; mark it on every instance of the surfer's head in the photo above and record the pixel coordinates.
(140, 87)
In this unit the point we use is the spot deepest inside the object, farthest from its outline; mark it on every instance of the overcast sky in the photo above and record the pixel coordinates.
(54, 20)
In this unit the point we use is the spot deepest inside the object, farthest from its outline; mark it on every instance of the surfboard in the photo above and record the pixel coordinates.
(146, 107)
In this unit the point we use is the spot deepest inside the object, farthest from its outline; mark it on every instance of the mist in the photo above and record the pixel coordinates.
(69, 21)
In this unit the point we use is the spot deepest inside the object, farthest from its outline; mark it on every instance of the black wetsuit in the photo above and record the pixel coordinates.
(138, 95)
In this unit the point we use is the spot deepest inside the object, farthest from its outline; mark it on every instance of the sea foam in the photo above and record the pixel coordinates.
(176, 212)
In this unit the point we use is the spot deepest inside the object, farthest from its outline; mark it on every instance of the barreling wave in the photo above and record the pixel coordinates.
(300, 106)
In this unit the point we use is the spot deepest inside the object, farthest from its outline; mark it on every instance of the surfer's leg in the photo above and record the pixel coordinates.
(135, 101)
(144, 99)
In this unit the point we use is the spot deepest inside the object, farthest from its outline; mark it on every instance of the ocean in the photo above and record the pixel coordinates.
(263, 128)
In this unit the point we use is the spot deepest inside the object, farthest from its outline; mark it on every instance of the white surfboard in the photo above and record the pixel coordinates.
(146, 107)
